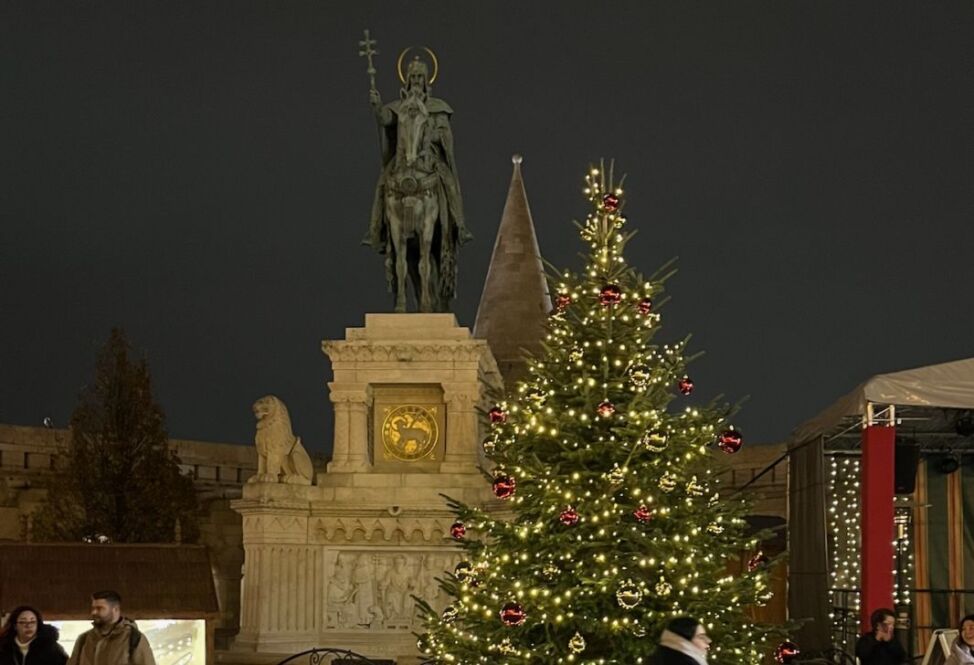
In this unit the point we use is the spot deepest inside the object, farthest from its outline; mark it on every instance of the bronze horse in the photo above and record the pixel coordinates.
(412, 206)
(417, 211)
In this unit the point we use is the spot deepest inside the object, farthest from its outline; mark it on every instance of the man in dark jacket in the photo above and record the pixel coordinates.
(879, 646)
(27, 636)
(114, 640)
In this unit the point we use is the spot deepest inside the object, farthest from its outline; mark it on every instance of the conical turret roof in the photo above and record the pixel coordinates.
(515, 301)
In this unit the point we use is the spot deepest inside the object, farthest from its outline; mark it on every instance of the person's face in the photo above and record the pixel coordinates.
(701, 639)
(417, 81)
(967, 633)
(26, 626)
(884, 631)
(103, 613)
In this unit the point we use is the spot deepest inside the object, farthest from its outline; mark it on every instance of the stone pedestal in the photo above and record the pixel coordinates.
(337, 564)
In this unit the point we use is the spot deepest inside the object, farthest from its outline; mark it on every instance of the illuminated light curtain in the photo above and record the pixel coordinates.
(843, 519)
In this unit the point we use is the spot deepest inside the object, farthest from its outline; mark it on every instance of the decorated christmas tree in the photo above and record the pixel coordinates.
(612, 520)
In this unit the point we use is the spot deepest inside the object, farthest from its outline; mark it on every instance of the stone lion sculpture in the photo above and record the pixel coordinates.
(280, 455)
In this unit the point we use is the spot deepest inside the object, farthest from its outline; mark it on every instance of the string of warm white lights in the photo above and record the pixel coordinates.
(903, 553)
(844, 525)
(617, 522)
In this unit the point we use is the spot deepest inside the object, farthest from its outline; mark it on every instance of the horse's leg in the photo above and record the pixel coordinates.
(415, 281)
(430, 214)
(393, 208)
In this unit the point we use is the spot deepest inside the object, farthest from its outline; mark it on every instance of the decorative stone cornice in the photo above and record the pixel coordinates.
(440, 351)
(378, 530)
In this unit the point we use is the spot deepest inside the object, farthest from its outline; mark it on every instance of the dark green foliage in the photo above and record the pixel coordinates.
(121, 481)
(617, 523)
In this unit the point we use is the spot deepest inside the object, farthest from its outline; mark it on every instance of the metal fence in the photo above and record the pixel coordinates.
(333, 656)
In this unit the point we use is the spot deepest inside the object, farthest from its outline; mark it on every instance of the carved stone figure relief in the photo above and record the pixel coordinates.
(371, 590)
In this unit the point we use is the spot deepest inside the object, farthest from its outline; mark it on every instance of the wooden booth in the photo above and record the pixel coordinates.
(167, 589)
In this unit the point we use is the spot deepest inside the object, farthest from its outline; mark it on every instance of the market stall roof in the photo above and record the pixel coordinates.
(945, 386)
(155, 581)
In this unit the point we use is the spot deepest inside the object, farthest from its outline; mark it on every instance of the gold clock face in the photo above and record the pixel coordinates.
(409, 432)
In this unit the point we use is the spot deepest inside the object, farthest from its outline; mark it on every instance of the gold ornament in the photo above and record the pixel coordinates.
(640, 375)
(663, 588)
(577, 643)
(629, 595)
(616, 476)
(668, 482)
(694, 488)
(536, 396)
(655, 441)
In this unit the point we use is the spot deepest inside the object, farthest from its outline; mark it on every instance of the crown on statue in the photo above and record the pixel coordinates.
(417, 66)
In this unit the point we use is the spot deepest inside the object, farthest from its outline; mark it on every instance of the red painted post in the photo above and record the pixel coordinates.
(876, 558)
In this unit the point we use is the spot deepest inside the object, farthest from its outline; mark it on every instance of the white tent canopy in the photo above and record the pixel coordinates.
(946, 386)
(934, 388)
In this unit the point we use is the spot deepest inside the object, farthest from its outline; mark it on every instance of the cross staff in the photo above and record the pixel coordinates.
(368, 52)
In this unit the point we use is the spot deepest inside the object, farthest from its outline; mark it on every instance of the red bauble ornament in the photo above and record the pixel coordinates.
(562, 301)
(759, 560)
(645, 306)
(611, 294)
(513, 614)
(610, 202)
(497, 416)
(458, 530)
(685, 385)
(730, 441)
(569, 516)
(504, 486)
(786, 652)
(643, 514)
(605, 408)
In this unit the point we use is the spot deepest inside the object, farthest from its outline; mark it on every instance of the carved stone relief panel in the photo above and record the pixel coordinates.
(369, 590)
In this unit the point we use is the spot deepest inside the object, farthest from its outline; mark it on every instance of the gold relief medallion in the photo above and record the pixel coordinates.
(409, 432)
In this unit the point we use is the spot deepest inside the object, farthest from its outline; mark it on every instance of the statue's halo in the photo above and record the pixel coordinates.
(436, 63)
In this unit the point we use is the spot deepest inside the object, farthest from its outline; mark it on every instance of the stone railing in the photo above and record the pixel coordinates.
(35, 451)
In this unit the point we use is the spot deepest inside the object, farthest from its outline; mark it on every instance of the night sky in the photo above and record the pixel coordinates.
(201, 173)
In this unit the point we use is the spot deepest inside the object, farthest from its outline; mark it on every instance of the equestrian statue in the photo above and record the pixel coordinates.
(417, 213)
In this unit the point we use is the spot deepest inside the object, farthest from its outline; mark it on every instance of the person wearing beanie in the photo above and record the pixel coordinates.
(683, 642)
(962, 650)
(26, 638)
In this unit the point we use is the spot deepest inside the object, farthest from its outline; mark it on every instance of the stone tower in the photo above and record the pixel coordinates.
(515, 301)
